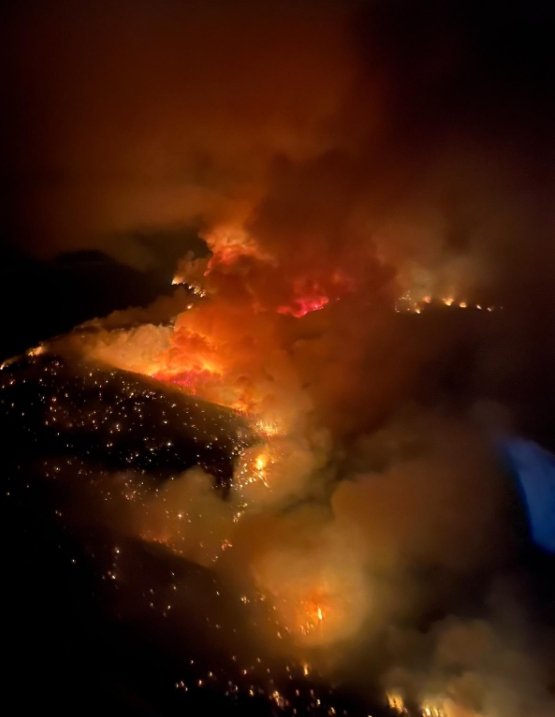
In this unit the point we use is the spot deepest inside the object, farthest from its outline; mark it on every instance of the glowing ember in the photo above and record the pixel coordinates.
(268, 428)
(304, 305)
(37, 351)
(396, 702)
(312, 614)
(254, 469)
(197, 290)
(432, 711)
(190, 380)
(407, 303)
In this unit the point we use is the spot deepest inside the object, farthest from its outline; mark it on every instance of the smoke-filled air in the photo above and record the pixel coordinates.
(312, 413)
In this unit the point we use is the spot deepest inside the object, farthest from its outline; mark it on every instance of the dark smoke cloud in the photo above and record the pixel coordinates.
(149, 114)
(369, 115)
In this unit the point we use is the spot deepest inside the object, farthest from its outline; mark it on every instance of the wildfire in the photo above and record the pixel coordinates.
(312, 613)
(229, 350)
(304, 305)
(268, 429)
(230, 244)
(190, 380)
(407, 303)
(196, 289)
(432, 711)
(256, 467)
(37, 351)
(396, 702)
(428, 708)
(318, 596)
(313, 295)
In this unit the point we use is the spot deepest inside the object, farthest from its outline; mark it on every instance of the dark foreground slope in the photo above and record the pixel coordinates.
(50, 407)
(98, 621)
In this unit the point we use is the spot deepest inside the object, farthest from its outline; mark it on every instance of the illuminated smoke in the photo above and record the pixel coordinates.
(319, 525)
(345, 192)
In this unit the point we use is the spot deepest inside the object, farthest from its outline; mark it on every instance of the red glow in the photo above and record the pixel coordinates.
(304, 305)
(188, 379)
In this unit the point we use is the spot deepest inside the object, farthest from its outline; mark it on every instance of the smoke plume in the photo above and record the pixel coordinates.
(371, 181)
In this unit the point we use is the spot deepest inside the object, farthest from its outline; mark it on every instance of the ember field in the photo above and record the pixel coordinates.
(114, 622)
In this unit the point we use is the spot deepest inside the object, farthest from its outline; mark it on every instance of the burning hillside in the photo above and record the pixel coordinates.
(282, 487)
(206, 434)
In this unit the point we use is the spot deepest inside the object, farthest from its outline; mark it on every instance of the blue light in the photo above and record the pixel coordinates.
(534, 468)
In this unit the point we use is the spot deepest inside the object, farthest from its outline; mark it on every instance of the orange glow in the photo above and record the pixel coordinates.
(406, 303)
(257, 468)
(229, 245)
(396, 702)
(313, 612)
(228, 349)
(268, 428)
